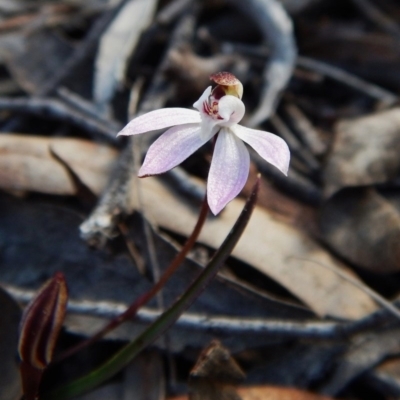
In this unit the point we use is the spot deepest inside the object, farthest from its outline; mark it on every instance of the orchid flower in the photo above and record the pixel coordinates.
(219, 112)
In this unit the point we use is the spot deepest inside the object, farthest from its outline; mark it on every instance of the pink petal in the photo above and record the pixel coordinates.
(228, 172)
(231, 109)
(269, 146)
(171, 148)
(160, 119)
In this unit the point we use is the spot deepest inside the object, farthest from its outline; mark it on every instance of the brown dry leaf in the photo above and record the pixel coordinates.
(274, 248)
(91, 162)
(284, 207)
(26, 163)
(270, 393)
(215, 375)
(277, 393)
(363, 227)
(365, 151)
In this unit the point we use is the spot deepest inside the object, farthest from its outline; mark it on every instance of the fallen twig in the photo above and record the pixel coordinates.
(101, 224)
(378, 17)
(184, 184)
(306, 130)
(82, 51)
(296, 148)
(374, 91)
(80, 103)
(234, 325)
(276, 27)
(114, 203)
(48, 107)
(172, 11)
(386, 97)
(294, 184)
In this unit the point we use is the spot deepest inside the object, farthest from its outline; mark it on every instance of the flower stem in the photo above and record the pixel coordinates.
(128, 352)
(131, 311)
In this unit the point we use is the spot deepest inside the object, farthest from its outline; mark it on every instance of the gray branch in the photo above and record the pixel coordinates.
(277, 29)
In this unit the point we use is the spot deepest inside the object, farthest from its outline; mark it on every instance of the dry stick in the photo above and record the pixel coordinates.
(348, 79)
(59, 110)
(181, 35)
(148, 227)
(136, 148)
(133, 308)
(113, 203)
(378, 17)
(122, 227)
(87, 107)
(306, 130)
(195, 321)
(226, 325)
(304, 164)
(133, 251)
(277, 29)
(338, 74)
(294, 184)
(184, 184)
(302, 153)
(82, 51)
(172, 10)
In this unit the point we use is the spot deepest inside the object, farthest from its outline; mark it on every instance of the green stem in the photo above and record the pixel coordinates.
(131, 350)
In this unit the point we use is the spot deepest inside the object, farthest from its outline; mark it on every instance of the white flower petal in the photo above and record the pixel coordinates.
(228, 172)
(209, 127)
(269, 146)
(204, 97)
(171, 148)
(160, 119)
(231, 110)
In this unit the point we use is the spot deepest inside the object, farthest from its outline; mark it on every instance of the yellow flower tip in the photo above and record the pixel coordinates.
(227, 83)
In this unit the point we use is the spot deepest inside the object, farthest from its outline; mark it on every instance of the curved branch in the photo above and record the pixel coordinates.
(277, 29)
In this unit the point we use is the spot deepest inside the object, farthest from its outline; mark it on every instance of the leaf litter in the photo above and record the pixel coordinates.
(72, 73)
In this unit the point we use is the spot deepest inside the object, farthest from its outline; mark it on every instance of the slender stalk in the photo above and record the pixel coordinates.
(131, 311)
(131, 350)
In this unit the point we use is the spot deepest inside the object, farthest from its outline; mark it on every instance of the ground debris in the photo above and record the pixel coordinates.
(301, 302)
